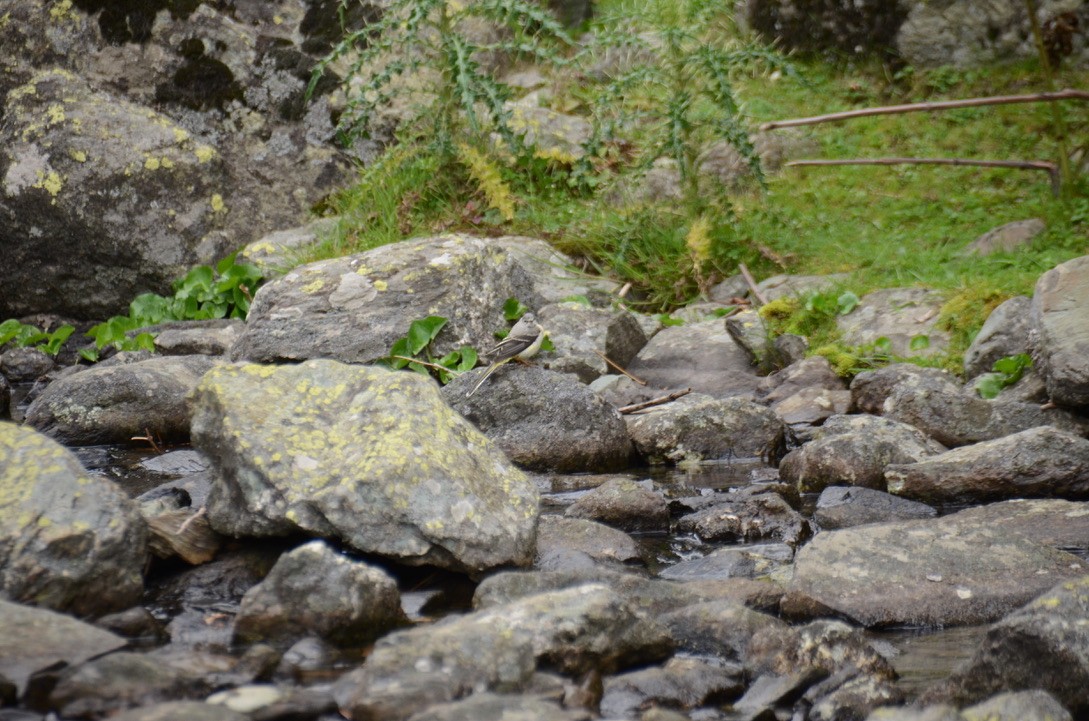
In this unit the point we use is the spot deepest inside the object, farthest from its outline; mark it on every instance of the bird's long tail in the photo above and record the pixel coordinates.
(491, 369)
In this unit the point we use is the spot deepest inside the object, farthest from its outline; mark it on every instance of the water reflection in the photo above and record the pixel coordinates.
(925, 656)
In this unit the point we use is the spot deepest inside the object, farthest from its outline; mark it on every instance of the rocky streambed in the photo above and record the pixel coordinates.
(325, 538)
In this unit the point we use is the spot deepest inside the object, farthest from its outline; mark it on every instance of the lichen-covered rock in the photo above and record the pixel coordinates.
(315, 590)
(758, 517)
(543, 420)
(870, 389)
(498, 649)
(941, 572)
(624, 504)
(115, 403)
(904, 316)
(353, 308)
(1061, 328)
(69, 541)
(374, 458)
(854, 451)
(1040, 462)
(1005, 333)
(698, 427)
(1044, 645)
(846, 506)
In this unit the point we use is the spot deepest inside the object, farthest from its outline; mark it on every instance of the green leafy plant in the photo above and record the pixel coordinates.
(204, 293)
(413, 351)
(24, 335)
(1005, 372)
(513, 309)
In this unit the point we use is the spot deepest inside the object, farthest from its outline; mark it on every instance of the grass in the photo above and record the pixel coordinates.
(884, 226)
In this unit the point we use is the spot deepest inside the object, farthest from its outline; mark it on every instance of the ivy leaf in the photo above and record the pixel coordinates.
(468, 358)
(513, 309)
(422, 332)
(847, 302)
(920, 342)
(399, 348)
(988, 385)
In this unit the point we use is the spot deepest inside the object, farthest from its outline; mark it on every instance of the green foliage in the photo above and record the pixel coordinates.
(23, 335)
(429, 41)
(413, 351)
(1005, 372)
(204, 293)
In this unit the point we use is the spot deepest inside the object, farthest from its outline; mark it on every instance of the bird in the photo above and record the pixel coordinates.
(523, 341)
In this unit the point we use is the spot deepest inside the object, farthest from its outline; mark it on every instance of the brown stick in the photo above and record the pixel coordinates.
(654, 401)
(1050, 168)
(763, 299)
(614, 364)
(1067, 94)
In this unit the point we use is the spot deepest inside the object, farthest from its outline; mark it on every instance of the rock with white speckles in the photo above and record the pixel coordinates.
(113, 404)
(68, 541)
(371, 457)
(1060, 331)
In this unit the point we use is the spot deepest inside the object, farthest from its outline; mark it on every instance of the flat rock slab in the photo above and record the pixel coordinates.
(372, 457)
(556, 534)
(941, 572)
(700, 356)
(1060, 320)
(901, 315)
(34, 639)
(1038, 462)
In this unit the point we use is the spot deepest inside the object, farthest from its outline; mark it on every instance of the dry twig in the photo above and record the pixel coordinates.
(654, 402)
(614, 364)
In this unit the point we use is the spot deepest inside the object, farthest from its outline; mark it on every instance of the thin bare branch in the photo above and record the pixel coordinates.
(654, 401)
(1068, 94)
(616, 365)
(760, 297)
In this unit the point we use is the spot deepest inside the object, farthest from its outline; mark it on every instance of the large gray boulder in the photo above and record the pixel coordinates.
(1060, 326)
(699, 427)
(372, 457)
(941, 572)
(353, 308)
(1044, 645)
(543, 420)
(854, 451)
(112, 404)
(700, 356)
(315, 590)
(1004, 333)
(1040, 462)
(69, 541)
(902, 315)
(498, 649)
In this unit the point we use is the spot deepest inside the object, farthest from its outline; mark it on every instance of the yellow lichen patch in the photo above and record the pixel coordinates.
(55, 113)
(166, 162)
(313, 286)
(51, 182)
(259, 247)
(204, 153)
(63, 11)
(1049, 602)
(4, 20)
(22, 91)
(277, 20)
(381, 285)
(217, 203)
(258, 371)
(77, 155)
(180, 135)
(151, 164)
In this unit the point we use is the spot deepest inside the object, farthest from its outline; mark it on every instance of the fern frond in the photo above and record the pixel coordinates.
(489, 180)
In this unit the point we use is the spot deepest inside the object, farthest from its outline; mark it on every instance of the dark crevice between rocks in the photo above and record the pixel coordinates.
(130, 21)
(201, 83)
(324, 25)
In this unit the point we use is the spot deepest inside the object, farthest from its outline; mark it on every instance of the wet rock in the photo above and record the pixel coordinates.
(582, 334)
(35, 639)
(870, 389)
(320, 448)
(717, 628)
(700, 356)
(902, 315)
(681, 683)
(354, 308)
(556, 534)
(200, 337)
(698, 427)
(1034, 463)
(135, 623)
(746, 562)
(848, 693)
(315, 590)
(20, 365)
(770, 696)
(1040, 646)
(543, 420)
(645, 595)
(1061, 335)
(68, 540)
(182, 462)
(1006, 238)
(940, 572)
(854, 451)
(497, 650)
(958, 419)
(174, 710)
(624, 504)
(114, 404)
(501, 707)
(1005, 333)
(846, 506)
(264, 702)
(758, 518)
